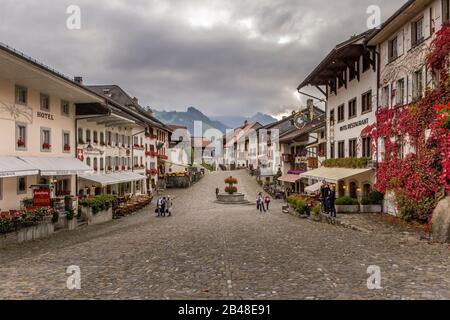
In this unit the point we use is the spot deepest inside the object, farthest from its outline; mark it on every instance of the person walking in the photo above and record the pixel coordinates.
(332, 201)
(324, 192)
(163, 207)
(217, 192)
(261, 203)
(158, 206)
(267, 202)
(169, 206)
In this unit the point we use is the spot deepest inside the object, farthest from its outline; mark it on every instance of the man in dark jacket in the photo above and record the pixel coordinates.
(332, 201)
(324, 193)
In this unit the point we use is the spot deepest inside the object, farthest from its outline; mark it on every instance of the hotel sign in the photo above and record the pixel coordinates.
(45, 115)
(41, 197)
(355, 124)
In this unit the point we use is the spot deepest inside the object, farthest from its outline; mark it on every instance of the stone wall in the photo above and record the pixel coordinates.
(42, 230)
(100, 217)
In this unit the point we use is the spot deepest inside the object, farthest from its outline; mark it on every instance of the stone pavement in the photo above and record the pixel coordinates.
(211, 251)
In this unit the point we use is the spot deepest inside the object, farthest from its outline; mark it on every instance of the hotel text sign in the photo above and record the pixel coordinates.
(355, 124)
(45, 115)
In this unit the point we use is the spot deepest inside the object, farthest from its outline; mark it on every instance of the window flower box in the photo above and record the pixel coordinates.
(109, 168)
(116, 168)
(21, 143)
(124, 168)
(46, 146)
(66, 147)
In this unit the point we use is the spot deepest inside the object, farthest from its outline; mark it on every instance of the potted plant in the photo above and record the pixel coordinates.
(66, 147)
(372, 203)
(46, 146)
(347, 204)
(231, 189)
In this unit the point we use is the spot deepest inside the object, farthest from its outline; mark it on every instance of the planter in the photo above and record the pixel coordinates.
(72, 224)
(98, 218)
(370, 208)
(347, 208)
(42, 230)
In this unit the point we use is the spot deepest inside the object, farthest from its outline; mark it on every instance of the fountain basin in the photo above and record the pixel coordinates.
(236, 198)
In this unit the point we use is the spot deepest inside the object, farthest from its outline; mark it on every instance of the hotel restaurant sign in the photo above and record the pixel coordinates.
(355, 124)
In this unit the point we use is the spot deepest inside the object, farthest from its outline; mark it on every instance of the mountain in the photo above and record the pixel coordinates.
(237, 121)
(187, 119)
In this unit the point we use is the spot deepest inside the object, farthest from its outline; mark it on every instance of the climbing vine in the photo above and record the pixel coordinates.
(414, 142)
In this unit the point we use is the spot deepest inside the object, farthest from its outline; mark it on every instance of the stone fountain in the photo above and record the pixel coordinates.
(231, 195)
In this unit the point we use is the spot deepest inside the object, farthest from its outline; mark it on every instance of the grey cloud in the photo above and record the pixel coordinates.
(149, 48)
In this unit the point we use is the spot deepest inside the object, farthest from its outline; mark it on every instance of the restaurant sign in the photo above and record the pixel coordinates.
(41, 197)
(355, 124)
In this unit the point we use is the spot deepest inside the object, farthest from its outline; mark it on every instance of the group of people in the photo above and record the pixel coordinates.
(262, 203)
(164, 206)
(328, 198)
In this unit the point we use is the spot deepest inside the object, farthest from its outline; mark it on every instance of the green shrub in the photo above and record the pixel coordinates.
(346, 163)
(316, 209)
(346, 201)
(99, 203)
(70, 214)
(55, 216)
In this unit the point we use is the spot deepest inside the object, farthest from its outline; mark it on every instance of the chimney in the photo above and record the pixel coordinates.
(78, 79)
(135, 100)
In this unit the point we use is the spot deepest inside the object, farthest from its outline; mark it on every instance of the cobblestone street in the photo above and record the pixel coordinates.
(211, 251)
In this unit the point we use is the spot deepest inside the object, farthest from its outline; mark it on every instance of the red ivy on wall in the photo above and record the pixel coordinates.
(420, 177)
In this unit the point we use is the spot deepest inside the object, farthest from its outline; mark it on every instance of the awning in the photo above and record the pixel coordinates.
(16, 167)
(113, 178)
(313, 188)
(333, 175)
(57, 166)
(291, 178)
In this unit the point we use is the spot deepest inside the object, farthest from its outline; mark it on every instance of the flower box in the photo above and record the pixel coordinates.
(21, 143)
(109, 168)
(116, 168)
(46, 146)
(347, 208)
(370, 208)
(124, 168)
(66, 147)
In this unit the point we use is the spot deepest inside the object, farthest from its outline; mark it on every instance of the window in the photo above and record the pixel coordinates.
(366, 102)
(1, 189)
(95, 164)
(116, 139)
(417, 84)
(66, 141)
(21, 95)
(108, 138)
(80, 136)
(88, 162)
(21, 185)
(417, 32)
(366, 62)
(445, 11)
(386, 96)
(88, 136)
(352, 148)
(45, 140)
(45, 102)
(353, 72)
(341, 150)
(400, 94)
(352, 108)
(332, 151)
(332, 117)
(21, 136)
(65, 108)
(102, 138)
(341, 115)
(123, 140)
(95, 137)
(367, 147)
(393, 47)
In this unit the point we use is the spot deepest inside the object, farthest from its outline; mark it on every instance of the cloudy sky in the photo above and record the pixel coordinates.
(225, 57)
